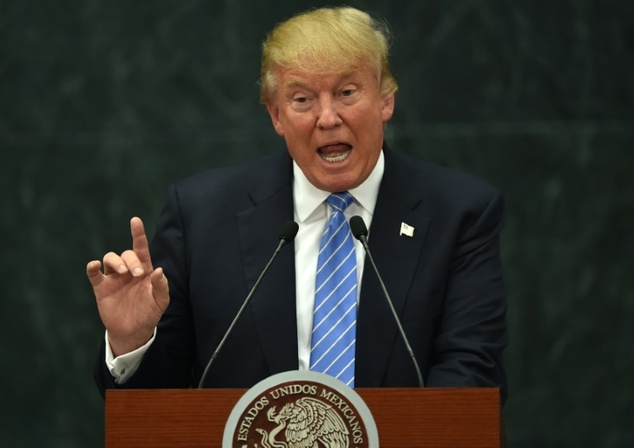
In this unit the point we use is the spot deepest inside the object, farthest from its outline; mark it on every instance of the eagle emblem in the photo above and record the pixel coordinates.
(305, 423)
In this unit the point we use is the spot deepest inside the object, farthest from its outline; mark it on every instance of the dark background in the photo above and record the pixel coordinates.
(103, 104)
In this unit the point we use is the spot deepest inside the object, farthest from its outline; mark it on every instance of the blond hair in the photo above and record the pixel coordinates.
(327, 40)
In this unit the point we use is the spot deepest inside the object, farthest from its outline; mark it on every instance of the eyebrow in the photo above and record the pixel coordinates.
(294, 83)
(297, 83)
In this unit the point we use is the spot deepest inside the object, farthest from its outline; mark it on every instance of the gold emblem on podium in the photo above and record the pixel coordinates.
(300, 409)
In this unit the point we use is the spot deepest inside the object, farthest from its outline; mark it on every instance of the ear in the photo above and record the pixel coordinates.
(387, 107)
(274, 113)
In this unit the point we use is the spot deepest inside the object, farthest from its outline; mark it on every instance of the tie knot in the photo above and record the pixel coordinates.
(340, 201)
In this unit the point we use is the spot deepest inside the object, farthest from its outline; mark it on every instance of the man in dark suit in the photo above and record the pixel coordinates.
(434, 233)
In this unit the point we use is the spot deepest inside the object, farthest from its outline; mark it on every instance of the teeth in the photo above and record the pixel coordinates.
(332, 158)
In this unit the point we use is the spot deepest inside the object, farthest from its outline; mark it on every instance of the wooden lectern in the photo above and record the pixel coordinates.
(405, 418)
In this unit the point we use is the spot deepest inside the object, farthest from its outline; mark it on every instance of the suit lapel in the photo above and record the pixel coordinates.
(397, 257)
(273, 305)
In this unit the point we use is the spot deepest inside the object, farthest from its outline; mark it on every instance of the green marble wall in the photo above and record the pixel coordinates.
(104, 103)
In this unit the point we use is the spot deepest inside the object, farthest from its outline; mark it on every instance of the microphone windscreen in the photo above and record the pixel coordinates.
(289, 231)
(357, 225)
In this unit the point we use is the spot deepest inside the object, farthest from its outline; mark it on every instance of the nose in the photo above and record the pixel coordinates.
(328, 117)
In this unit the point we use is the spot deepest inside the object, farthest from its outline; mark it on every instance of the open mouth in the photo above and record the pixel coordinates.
(334, 153)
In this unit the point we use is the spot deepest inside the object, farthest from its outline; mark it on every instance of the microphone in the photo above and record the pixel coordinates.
(287, 235)
(360, 232)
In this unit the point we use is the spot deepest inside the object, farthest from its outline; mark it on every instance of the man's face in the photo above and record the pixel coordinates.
(332, 124)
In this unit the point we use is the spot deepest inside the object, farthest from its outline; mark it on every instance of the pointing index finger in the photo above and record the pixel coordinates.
(140, 243)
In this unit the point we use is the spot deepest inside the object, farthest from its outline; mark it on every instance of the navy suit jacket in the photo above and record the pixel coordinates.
(219, 229)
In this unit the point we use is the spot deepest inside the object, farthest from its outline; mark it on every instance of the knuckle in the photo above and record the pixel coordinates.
(109, 256)
(128, 254)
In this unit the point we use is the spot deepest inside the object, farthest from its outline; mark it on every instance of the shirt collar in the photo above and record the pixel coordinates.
(307, 198)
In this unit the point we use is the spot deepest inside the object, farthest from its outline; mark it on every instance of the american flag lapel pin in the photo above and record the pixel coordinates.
(406, 230)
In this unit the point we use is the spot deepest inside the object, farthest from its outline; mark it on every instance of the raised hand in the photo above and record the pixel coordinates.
(131, 295)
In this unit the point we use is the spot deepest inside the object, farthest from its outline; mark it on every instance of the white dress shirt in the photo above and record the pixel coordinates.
(311, 214)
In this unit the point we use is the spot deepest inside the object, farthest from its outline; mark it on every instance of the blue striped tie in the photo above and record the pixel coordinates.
(335, 315)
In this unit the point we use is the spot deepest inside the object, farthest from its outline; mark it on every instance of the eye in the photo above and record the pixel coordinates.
(301, 102)
(300, 97)
(349, 94)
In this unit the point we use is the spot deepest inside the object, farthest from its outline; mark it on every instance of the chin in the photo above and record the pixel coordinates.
(334, 187)
(334, 183)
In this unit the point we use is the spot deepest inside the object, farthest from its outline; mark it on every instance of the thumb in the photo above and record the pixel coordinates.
(160, 288)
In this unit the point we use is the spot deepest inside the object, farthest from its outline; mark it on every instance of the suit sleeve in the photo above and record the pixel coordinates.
(472, 332)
